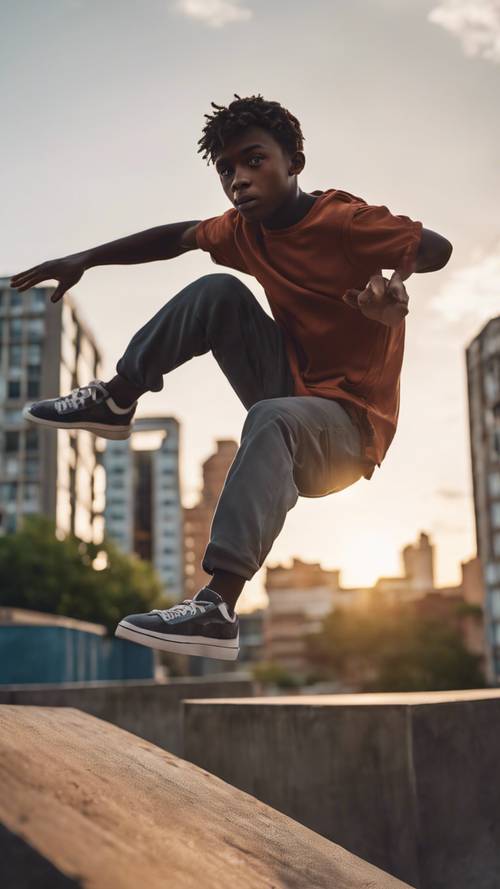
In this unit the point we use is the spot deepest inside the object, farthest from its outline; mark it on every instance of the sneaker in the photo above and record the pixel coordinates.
(87, 407)
(200, 626)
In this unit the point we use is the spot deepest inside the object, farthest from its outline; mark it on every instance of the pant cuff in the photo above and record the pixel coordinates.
(218, 558)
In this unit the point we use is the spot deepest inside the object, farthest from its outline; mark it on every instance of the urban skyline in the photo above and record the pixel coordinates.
(420, 139)
(119, 496)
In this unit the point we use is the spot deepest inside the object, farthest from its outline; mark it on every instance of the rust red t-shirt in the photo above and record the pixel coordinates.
(334, 351)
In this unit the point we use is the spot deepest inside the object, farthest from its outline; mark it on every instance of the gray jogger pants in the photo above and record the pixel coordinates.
(290, 446)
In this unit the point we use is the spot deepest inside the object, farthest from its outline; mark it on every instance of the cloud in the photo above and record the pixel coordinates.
(475, 22)
(472, 293)
(214, 13)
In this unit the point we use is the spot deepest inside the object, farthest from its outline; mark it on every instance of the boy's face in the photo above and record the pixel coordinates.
(265, 173)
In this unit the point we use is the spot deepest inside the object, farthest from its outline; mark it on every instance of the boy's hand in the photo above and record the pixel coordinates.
(381, 300)
(67, 271)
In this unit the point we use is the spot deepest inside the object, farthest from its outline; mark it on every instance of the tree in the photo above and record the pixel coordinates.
(40, 572)
(390, 648)
(271, 673)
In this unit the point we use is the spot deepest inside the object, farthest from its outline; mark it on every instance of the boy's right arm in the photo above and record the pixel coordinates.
(161, 242)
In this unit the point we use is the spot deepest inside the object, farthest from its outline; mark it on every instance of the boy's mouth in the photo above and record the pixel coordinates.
(246, 204)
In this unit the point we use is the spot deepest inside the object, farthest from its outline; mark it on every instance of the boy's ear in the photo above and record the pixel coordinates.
(298, 163)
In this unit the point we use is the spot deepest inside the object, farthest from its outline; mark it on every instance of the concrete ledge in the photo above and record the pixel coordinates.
(409, 782)
(145, 707)
(84, 803)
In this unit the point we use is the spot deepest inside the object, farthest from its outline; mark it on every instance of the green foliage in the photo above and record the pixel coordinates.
(383, 648)
(270, 673)
(40, 572)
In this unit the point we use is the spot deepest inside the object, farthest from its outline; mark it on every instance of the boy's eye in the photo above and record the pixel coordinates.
(223, 170)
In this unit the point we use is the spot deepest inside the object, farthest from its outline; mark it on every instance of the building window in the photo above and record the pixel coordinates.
(11, 466)
(8, 492)
(16, 301)
(33, 389)
(492, 573)
(11, 442)
(495, 603)
(36, 300)
(30, 493)
(36, 330)
(32, 440)
(494, 484)
(15, 356)
(34, 355)
(31, 467)
(13, 416)
(495, 515)
(14, 389)
(15, 334)
(10, 523)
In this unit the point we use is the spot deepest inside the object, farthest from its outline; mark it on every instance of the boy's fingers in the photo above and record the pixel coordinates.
(396, 288)
(21, 275)
(398, 292)
(27, 283)
(351, 298)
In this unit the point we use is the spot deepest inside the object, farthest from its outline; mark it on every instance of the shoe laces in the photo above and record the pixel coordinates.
(77, 397)
(187, 606)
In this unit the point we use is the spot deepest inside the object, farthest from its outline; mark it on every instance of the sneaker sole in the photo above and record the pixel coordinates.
(115, 433)
(199, 646)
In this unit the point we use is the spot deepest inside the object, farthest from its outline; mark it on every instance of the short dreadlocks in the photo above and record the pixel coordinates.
(243, 113)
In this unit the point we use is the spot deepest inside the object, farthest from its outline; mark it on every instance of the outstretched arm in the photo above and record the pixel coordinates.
(386, 300)
(161, 242)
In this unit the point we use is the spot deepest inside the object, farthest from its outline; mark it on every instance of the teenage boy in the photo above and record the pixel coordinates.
(320, 379)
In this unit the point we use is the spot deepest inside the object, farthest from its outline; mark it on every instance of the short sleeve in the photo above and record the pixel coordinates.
(217, 236)
(374, 238)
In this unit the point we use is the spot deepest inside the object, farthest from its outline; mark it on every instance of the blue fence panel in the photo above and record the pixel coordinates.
(40, 653)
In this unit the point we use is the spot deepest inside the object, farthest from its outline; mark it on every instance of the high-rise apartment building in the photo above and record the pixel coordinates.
(483, 383)
(143, 511)
(198, 518)
(46, 350)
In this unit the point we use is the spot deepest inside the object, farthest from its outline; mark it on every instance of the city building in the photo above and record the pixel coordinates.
(143, 511)
(198, 518)
(483, 386)
(300, 597)
(46, 350)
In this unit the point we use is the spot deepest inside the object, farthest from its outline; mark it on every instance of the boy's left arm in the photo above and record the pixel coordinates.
(433, 254)
(386, 300)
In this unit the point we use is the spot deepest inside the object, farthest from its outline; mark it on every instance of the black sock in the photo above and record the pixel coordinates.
(229, 586)
(123, 392)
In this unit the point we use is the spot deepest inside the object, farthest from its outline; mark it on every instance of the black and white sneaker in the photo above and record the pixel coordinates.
(87, 407)
(200, 626)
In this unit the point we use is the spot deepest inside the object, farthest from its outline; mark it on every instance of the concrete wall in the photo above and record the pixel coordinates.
(147, 708)
(409, 782)
(85, 804)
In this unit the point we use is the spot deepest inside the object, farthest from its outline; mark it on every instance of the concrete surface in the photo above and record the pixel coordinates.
(407, 781)
(85, 803)
(147, 708)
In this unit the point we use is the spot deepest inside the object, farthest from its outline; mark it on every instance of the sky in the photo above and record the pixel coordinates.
(102, 104)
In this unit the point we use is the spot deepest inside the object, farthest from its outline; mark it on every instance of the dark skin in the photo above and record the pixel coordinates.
(269, 174)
